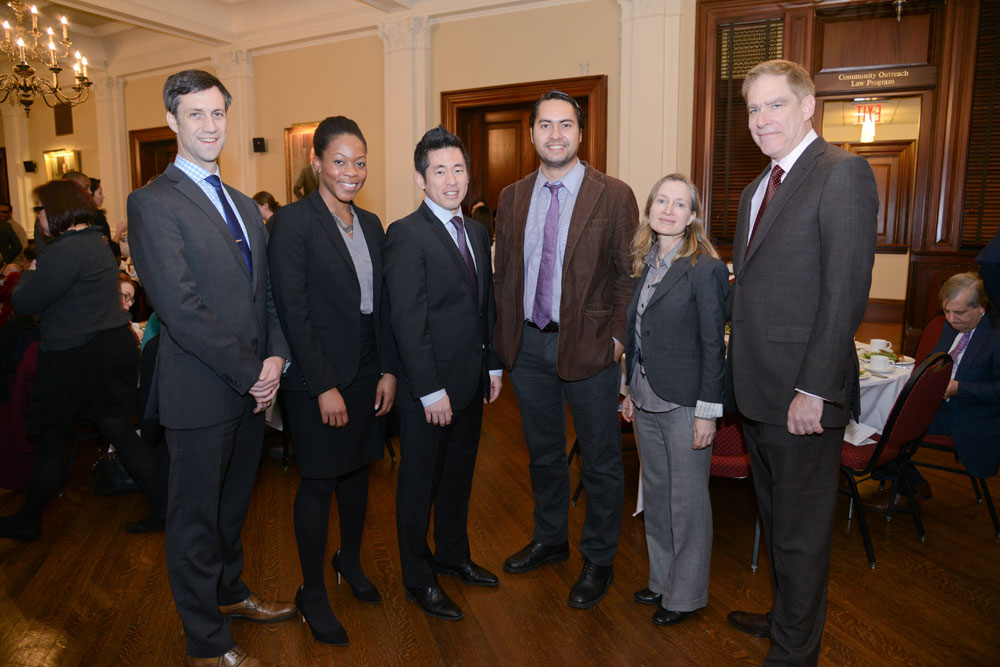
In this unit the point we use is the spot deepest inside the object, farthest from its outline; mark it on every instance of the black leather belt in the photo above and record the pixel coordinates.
(551, 327)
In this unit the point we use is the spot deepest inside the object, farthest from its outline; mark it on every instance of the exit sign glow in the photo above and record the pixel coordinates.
(863, 110)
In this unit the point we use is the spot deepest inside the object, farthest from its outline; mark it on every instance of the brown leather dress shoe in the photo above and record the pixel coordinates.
(256, 610)
(233, 657)
(755, 625)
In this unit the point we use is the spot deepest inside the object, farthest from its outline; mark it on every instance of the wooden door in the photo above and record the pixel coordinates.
(152, 150)
(892, 162)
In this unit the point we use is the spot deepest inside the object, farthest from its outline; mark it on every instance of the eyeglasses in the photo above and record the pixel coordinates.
(127, 298)
(38, 209)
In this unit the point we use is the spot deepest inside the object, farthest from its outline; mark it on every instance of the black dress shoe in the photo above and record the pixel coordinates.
(755, 625)
(434, 602)
(336, 635)
(16, 527)
(535, 555)
(368, 594)
(591, 586)
(470, 573)
(666, 617)
(646, 596)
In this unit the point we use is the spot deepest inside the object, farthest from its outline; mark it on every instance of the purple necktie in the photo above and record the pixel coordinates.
(772, 187)
(541, 309)
(463, 248)
(963, 343)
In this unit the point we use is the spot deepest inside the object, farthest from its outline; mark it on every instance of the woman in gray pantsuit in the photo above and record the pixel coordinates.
(674, 369)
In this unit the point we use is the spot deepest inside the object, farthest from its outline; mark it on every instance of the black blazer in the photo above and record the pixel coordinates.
(442, 323)
(318, 298)
(683, 327)
(219, 322)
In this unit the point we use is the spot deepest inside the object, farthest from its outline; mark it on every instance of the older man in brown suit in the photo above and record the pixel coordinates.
(562, 291)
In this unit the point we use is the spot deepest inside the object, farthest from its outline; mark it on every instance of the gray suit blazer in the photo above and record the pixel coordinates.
(801, 291)
(682, 339)
(219, 324)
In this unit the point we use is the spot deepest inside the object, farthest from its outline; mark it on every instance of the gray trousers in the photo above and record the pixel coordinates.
(676, 506)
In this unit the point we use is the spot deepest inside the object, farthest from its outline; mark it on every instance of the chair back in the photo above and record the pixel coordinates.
(929, 337)
(729, 452)
(914, 409)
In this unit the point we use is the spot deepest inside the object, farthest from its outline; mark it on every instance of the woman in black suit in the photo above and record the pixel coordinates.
(325, 258)
(674, 367)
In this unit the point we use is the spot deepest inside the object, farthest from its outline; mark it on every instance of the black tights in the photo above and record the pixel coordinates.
(312, 519)
(142, 462)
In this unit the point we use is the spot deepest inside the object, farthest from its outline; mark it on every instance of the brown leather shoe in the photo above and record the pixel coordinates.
(256, 610)
(233, 657)
(755, 625)
(902, 504)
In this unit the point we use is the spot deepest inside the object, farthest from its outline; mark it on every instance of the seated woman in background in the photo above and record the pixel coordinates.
(674, 368)
(267, 204)
(89, 361)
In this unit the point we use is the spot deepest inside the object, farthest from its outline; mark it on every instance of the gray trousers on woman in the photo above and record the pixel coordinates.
(677, 508)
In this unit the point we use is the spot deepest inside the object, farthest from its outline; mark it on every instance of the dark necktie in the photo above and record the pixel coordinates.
(772, 187)
(231, 221)
(963, 343)
(463, 249)
(541, 309)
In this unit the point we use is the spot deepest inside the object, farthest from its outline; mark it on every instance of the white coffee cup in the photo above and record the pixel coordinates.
(877, 344)
(879, 363)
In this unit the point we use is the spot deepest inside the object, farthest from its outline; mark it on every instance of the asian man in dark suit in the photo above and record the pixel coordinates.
(563, 283)
(802, 257)
(440, 286)
(201, 252)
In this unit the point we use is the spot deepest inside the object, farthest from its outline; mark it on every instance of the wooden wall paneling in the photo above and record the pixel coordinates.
(874, 42)
(145, 162)
(927, 272)
(892, 162)
(800, 28)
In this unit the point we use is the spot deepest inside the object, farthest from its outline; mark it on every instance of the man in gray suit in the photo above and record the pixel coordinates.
(201, 252)
(802, 257)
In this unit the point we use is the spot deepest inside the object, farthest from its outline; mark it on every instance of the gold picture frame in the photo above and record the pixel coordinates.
(298, 147)
(58, 162)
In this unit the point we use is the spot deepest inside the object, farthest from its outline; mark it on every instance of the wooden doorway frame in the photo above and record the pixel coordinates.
(135, 140)
(593, 88)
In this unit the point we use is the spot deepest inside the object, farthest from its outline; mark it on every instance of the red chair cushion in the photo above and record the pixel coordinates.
(856, 457)
(940, 440)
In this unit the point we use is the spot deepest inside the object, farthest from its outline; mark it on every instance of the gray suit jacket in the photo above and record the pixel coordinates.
(219, 324)
(801, 291)
(683, 326)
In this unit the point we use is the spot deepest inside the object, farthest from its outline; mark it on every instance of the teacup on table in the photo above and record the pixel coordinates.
(879, 363)
(877, 344)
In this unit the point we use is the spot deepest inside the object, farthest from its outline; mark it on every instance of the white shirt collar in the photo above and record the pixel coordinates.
(786, 163)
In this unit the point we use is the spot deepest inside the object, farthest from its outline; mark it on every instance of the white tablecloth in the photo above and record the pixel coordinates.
(878, 395)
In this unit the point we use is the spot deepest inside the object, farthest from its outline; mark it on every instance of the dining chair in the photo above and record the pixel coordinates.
(945, 443)
(730, 459)
(929, 337)
(908, 421)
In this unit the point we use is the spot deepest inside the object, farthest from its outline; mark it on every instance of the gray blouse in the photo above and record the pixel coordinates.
(358, 247)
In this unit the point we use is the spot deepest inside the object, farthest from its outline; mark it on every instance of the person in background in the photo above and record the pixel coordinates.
(325, 257)
(482, 214)
(267, 204)
(11, 242)
(674, 365)
(100, 219)
(307, 180)
(89, 362)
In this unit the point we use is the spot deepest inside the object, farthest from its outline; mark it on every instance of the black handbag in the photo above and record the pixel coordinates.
(109, 478)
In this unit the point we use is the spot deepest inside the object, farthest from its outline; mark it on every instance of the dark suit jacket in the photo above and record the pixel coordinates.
(441, 322)
(219, 324)
(989, 270)
(318, 297)
(800, 293)
(973, 415)
(596, 277)
(683, 328)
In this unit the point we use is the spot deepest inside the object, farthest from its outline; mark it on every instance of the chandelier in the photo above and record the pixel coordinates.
(26, 46)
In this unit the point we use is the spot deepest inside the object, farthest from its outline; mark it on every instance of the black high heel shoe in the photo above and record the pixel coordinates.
(369, 595)
(336, 637)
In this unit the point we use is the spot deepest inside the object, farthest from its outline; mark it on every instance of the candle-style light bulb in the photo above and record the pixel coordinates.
(20, 47)
(6, 31)
(76, 68)
(84, 63)
(52, 53)
(65, 27)
(78, 56)
(34, 17)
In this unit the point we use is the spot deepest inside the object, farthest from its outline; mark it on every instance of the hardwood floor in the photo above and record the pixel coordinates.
(86, 593)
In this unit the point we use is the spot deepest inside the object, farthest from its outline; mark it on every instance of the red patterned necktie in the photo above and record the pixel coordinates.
(772, 186)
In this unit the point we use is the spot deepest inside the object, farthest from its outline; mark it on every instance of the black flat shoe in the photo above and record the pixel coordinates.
(335, 637)
(434, 602)
(646, 596)
(535, 555)
(666, 617)
(470, 573)
(13, 527)
(145, 525)
(369, 595)
(591, 586)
